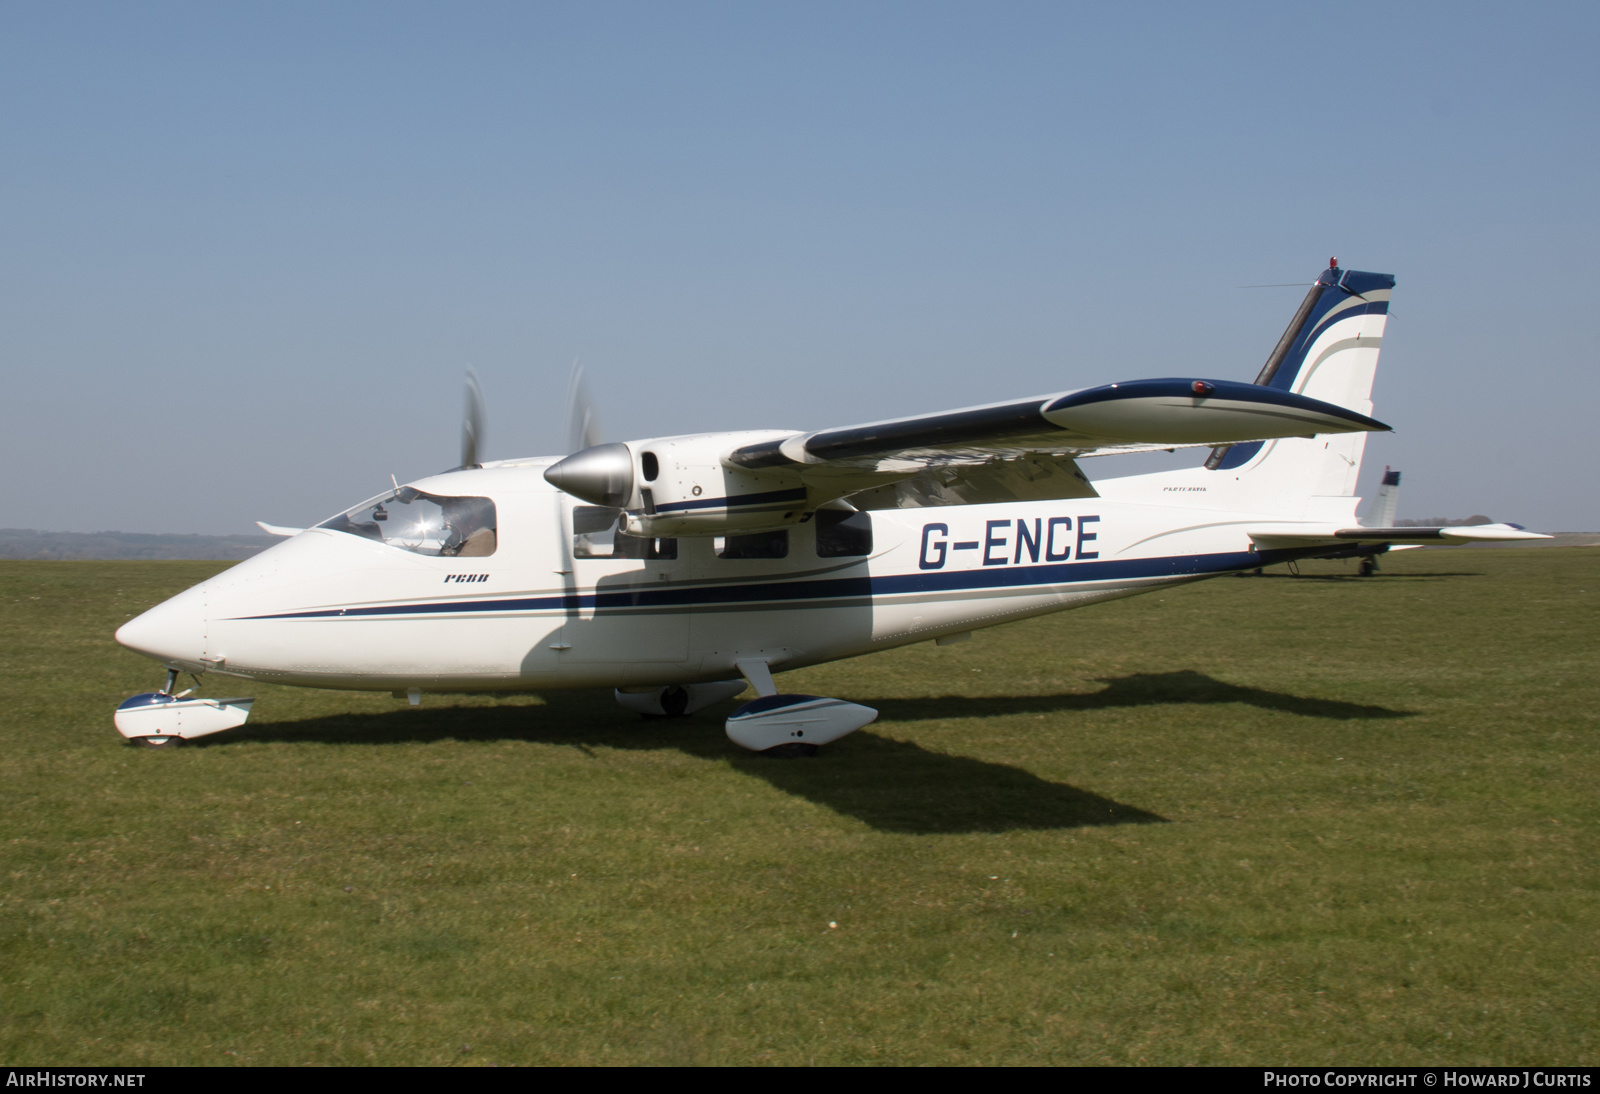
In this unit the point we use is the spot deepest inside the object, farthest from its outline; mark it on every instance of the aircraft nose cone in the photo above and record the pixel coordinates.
(174, 631)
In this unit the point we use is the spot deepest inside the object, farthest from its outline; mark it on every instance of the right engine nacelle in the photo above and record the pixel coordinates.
(679, 486)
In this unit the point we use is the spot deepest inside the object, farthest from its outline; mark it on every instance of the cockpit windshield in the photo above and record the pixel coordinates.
(424, 524)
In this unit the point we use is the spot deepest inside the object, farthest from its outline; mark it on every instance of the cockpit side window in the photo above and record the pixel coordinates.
(424, 524)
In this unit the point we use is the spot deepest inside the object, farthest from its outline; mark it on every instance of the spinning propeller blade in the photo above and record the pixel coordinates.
(583, 424)
(472, 422)
(600, 474)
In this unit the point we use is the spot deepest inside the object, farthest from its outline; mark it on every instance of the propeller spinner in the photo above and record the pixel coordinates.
(600, 474)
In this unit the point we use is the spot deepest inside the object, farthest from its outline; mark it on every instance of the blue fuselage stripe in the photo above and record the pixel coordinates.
(837, 588)
(771, 497)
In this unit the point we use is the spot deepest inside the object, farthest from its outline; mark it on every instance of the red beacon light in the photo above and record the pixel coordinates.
(1200, 387)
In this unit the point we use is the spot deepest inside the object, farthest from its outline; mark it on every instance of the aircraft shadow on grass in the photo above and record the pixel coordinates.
(894, 786)
(1138, 690)
(1388, 576)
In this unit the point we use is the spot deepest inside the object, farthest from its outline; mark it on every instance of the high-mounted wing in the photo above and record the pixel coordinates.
(1021, 450)
(1136, 414)
(1024, 449)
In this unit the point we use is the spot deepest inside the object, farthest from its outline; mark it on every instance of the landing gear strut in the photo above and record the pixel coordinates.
(165, 718)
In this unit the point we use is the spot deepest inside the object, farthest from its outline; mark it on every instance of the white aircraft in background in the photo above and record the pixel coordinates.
(676, 569)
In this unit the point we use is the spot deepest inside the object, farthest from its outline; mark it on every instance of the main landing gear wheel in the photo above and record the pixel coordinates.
(159, 742)
(1369, 566)
(674, 704)
(676, 700)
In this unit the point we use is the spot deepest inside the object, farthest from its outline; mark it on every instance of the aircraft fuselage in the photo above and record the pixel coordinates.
(328, 608)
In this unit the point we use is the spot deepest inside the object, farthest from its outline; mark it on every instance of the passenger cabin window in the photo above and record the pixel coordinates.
(424, 524)
(841, 533)
(597, 533)
(754, 545)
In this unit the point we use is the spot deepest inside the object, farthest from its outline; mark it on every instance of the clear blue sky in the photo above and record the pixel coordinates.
(247, 250)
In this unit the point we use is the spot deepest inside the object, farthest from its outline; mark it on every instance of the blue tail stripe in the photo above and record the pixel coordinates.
(1375, 307)
(1351, 283)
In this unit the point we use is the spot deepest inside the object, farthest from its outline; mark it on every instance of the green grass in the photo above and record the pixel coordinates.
(1261, 820)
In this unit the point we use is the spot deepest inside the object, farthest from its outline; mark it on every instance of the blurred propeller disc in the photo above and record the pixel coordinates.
(472, 422)
(583, 424)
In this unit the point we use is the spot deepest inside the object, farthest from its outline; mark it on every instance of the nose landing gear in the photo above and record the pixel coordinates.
(164, 719)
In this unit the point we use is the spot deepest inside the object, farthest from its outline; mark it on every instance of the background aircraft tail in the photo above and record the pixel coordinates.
(1387, 503)
(1329, 351)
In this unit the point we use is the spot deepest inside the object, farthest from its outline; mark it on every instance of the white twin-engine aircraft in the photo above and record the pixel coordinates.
(677, 569)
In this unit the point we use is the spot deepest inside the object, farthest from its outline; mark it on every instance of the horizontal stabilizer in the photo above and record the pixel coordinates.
(1444, 536)
(278, 529)
(1468, 533)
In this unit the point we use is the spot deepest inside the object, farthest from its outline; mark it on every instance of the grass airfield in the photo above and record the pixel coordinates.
(1274, 820)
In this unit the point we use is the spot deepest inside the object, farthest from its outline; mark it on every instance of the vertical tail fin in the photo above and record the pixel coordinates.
(1329, 352)
(1387, 503)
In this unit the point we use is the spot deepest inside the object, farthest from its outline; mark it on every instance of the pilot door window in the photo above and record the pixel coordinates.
(424, 524)
(597, 533)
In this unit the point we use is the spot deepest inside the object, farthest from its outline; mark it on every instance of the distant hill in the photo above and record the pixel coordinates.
(25, 543)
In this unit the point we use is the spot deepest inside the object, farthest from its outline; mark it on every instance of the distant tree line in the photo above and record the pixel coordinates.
(1443, 522)
(25, 543)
